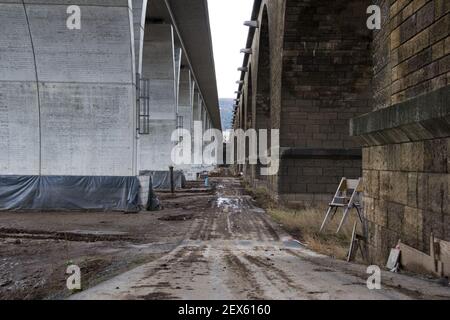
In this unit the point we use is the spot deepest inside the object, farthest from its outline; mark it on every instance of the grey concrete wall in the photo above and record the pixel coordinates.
(185, 107)
(139, 13)
(67, 96)
(197, 106)
(159, 66)
(177, 66)
(19, 108)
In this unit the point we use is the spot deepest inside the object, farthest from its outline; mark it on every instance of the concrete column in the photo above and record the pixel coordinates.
(67, 102)
(197, 106)
(139, 13)
(203, 117)
(185, 107)
(185, 111)
(177, 74)
(159, 67)
(241, 115)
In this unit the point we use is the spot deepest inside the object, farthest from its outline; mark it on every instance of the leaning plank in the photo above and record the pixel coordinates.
(444, 256)
(416, 261)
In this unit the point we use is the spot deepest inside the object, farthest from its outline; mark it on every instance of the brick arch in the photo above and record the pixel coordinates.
(326, 71)
(263, 81)
(248, 102)
(248, 120)
(326, 81)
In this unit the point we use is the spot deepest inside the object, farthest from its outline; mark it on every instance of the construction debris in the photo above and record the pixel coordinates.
(393, 261)
(356, 244)
(437, 263)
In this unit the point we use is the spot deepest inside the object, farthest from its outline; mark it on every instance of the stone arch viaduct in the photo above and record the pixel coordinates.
(352, 102)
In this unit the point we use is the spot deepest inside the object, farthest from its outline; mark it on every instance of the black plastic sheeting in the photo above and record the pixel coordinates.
(69, 193)
(153, 202)
(161, 179)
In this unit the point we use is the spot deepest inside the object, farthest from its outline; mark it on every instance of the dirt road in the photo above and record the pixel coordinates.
(234, 251)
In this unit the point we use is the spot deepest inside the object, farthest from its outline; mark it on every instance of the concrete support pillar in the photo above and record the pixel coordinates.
(177, 59)
(67, 102)
(197, 106)
(159, 67)
(185, 112)
(185, 101)
(204, 117)
(196, 116)
(139, 13)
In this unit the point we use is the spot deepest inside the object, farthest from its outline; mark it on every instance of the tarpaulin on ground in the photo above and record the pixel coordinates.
(161, 179)
(153, 203)
(69, 193)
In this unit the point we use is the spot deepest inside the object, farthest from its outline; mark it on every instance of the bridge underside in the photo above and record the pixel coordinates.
(76, 103)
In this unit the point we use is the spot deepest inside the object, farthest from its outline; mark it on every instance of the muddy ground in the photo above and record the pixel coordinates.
(233, 250)
(203, 245)
(36, 248)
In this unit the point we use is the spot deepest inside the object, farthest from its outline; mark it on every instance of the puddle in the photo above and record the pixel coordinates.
(228, 203)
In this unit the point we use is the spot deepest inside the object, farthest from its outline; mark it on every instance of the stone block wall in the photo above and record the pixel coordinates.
(309, 182)
(406, 194)
(411, 51)
(327, 70)
(406, 137)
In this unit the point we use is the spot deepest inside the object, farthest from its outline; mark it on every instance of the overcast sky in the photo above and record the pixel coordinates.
(229, 36)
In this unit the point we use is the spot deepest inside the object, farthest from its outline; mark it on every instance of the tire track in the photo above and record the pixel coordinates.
(243, 277)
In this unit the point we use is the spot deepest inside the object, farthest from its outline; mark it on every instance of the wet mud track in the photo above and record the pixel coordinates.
(234, 251)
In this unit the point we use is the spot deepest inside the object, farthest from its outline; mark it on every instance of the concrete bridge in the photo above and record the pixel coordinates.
(101, 101)
(351, 102)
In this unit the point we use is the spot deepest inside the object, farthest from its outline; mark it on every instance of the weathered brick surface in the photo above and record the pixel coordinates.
(310, 72)
(317, 178)
(326, 81)
(406, 190)
(326, 72)
(411, 56)
(407, 184)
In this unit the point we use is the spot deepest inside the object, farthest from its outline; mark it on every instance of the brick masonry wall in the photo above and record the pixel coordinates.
(407, 183)
(406, 194)
(275, 14)
(411, 52)
(313, 181)
(327, 72)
